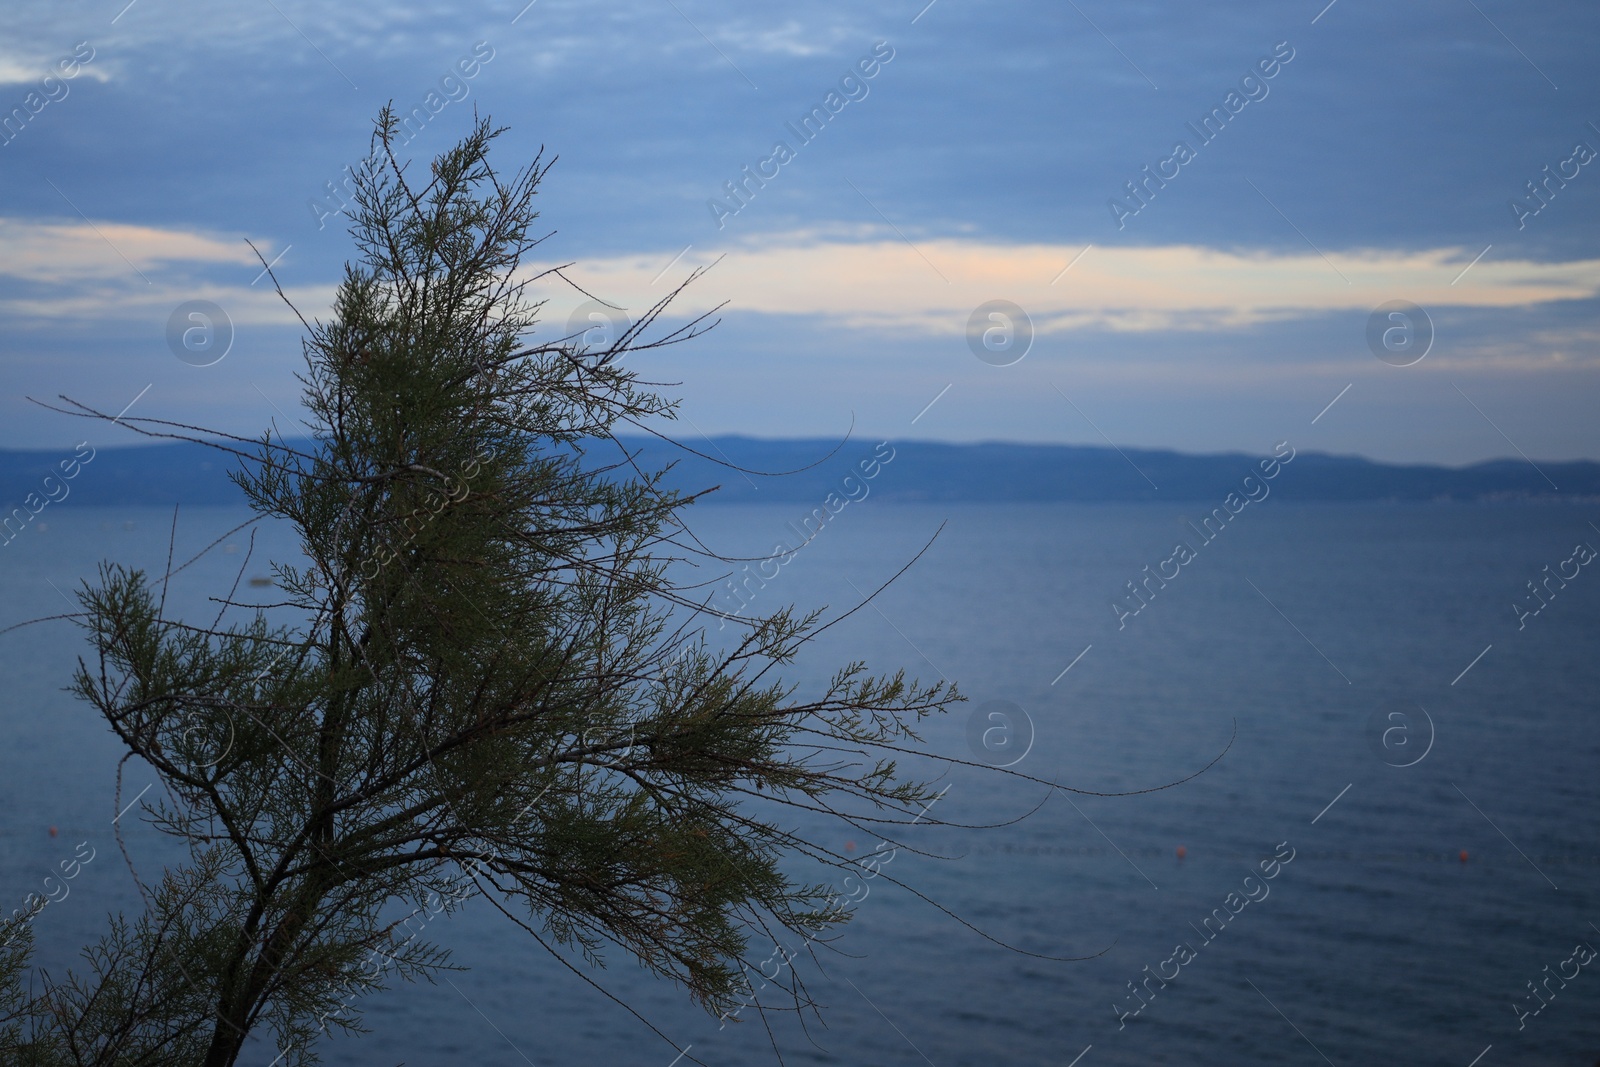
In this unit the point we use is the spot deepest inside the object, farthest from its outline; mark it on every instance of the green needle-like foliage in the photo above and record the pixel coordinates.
(492, 689)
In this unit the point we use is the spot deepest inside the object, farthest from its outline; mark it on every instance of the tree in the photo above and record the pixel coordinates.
(494, 683)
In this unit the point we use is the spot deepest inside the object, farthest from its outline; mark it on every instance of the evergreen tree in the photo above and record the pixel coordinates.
(494, 687)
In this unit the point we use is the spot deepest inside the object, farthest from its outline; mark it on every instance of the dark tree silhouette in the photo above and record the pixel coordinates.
(496, 684)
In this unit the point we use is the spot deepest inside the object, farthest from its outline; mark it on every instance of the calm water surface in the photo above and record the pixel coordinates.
(1286, 644)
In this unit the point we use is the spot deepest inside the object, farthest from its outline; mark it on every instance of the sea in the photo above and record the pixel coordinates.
(1320, 790)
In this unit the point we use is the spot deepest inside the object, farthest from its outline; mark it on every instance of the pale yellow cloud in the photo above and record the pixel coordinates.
(77, 251)
(107, 270)
(886, 283)
(258, 306)
(859, 278)
(16, 70)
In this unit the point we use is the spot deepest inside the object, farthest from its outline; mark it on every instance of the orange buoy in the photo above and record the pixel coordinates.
(849, 846)
(1463, 855)
(1182, 852)
(53, 831)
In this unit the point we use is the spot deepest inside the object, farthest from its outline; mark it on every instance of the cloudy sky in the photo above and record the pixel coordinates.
(1358, 154)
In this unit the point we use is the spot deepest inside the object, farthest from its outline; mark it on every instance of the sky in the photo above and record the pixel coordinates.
(1349, 256)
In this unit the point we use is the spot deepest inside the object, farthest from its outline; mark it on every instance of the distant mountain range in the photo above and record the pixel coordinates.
(917, 471)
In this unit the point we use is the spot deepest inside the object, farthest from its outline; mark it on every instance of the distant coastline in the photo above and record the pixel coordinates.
(923, 471)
